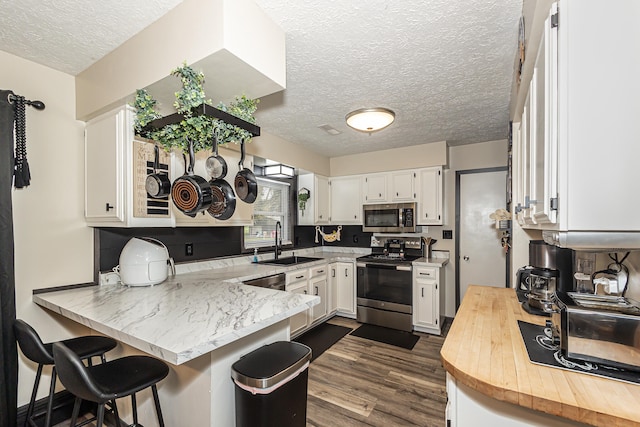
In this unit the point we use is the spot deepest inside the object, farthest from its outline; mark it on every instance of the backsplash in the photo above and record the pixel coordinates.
(210, 242)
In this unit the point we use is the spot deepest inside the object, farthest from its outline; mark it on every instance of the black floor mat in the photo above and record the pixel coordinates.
(322, 337)
(387, 336)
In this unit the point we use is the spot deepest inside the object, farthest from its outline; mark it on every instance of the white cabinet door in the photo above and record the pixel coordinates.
(298, 282)
(425, 303)
(375, 188)
(346, 200)
(427, 299)
(403, 186)
(318, 208)
(323, 207)
(346, 289)
(332, 293)
(430, 196)
(104, 174)
(544, 148)
(116, 167)
(298, 322)
(318, 287)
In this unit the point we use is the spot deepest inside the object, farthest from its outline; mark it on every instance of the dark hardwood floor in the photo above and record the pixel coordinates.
(358, 382)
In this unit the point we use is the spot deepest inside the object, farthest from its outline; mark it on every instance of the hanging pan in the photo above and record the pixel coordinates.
(191, 193)
(157, 184)
(224, 200)
(215, 165)
(245, 182)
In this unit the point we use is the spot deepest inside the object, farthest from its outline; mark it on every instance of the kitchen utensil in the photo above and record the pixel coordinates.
(223, 204)
(157, 184)
(245, 183)
(191, 193)
(215, 165)
(542, 288)
(144, 262)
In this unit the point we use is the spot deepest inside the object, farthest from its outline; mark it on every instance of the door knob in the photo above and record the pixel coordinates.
(466, 258)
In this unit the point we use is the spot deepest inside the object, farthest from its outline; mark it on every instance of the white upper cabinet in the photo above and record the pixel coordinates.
(578, 127)
(375, 188)
(430, 196)
(403, 186)
(346, 199)
(116, 166)
(318, 207)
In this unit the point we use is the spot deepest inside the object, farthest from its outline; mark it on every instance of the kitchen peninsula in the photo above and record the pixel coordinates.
(490, 380)
(201, 322)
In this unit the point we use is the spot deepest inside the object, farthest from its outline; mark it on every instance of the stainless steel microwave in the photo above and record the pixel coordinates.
(389, 218)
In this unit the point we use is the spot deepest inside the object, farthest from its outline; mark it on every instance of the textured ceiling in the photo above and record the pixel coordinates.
(70, 35)
(444, 66)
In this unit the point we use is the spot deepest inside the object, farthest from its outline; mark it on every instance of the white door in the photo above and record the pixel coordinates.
(481, 258)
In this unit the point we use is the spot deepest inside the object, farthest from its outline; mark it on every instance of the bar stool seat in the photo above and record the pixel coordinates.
(108, 381)
(41, 353)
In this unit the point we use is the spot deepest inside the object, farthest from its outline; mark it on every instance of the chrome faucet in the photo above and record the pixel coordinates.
(278, 248)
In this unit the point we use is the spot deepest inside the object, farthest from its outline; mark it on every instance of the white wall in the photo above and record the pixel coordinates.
(475, 156)
(53, 245)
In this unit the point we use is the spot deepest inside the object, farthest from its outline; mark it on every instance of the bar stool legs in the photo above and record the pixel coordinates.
(35, 350)
(114, 379)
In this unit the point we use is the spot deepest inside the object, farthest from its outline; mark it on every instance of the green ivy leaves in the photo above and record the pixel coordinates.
(198, 129)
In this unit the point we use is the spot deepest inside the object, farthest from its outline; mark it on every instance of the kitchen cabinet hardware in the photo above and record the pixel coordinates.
(466, 258)
(108, 207)
(333, 272)
(320, 271)
(299, 277)
(316, 290)
(207, 110)
(425, 274)
(422, 289)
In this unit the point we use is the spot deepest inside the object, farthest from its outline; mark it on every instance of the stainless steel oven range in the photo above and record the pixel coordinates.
(384, 281)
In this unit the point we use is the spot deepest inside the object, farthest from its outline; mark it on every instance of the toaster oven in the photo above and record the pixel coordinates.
(601, 329)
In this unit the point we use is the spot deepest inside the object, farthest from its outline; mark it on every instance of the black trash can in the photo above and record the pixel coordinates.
(271, 386)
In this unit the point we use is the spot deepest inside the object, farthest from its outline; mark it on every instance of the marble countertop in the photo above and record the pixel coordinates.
(202, 308)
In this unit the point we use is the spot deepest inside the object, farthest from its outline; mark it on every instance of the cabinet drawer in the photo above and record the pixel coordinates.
(318, 271)
(426, 273)
(297, 276)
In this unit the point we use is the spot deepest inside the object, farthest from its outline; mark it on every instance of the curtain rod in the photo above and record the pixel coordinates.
(38, 105)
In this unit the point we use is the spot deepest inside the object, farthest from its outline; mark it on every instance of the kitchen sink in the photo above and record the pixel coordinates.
(291, 260)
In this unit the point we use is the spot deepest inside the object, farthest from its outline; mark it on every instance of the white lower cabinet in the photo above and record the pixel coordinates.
(298, 283)
(428, 299)
(343, 281)
(318, 286)
(470, 408)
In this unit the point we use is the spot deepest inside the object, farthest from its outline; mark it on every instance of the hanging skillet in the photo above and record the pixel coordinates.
(224, 200)
(157, 184)
(191, 193)
(245, 182)
(215, 165)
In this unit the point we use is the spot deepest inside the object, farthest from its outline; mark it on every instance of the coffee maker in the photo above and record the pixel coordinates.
(550, 269)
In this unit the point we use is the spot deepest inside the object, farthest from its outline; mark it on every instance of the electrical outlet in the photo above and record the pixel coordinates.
(447, 234)
(188, 249)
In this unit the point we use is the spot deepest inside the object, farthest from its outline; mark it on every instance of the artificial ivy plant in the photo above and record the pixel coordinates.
(198, 129)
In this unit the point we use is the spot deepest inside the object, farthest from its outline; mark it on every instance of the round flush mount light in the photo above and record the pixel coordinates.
(370, 119)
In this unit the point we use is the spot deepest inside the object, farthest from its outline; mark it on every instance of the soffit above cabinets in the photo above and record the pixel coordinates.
(239, 49)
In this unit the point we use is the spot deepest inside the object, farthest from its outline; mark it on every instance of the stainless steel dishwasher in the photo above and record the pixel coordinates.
(276, 281)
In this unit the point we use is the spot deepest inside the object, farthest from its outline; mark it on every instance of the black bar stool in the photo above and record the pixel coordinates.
(109, 381)
(35, 350)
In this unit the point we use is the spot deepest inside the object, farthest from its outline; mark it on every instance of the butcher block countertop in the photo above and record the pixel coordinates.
(485, 351)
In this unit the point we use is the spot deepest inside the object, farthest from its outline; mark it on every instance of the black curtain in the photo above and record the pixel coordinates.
(8, 351)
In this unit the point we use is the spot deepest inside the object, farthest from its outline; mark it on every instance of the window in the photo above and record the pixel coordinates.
(272, 204)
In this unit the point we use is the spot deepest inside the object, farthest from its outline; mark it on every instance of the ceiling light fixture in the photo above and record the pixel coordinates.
(370, 119)
(278, 171)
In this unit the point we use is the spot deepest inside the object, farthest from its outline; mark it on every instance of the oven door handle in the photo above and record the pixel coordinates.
(384, 266)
